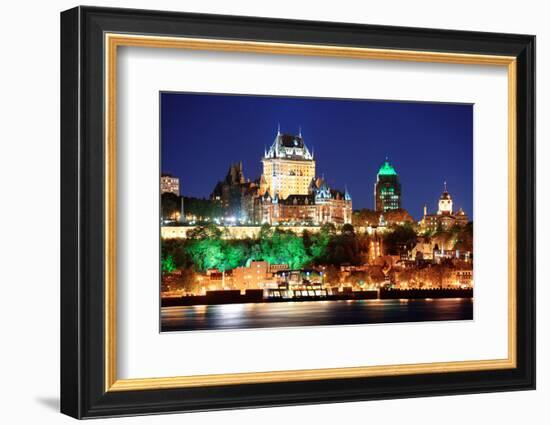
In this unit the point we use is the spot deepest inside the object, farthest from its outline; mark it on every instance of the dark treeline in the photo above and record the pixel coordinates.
(203, 209)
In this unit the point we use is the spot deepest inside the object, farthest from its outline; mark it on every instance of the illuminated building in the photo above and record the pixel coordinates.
(445, 205)
(288, 166)
(464, 278)
(169, 184)
(375, 248)
(252, 276)
(387, 189)
(445, 217)
(287, 192)
(256, 274)
(319, 206)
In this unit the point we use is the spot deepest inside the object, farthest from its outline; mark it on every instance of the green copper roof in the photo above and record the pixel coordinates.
(387, 170)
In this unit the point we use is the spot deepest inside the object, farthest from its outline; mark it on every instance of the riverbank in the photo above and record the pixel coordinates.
(256, 296)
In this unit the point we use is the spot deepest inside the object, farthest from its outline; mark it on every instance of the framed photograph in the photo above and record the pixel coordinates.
(261, 212)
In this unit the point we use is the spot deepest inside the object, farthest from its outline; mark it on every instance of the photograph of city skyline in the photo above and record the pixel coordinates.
(301, 211)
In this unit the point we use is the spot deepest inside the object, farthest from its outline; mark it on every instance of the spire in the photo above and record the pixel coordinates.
(278, 129)
(445, 186)
(299, 131)
(347, 195)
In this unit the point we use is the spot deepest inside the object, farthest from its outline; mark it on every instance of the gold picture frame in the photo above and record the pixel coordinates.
(114, 41)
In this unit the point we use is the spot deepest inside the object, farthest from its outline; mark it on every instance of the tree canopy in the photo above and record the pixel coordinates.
(401, 238)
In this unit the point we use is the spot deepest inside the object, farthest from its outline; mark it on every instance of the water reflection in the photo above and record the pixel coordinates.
(311, 313)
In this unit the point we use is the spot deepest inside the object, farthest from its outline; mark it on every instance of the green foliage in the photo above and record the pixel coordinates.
(280, 247)
(208, 251)
(318, 243)
(167, 264)
(208, 247)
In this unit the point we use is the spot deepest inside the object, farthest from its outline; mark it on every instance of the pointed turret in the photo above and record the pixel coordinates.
(347, 195)
(312, 186)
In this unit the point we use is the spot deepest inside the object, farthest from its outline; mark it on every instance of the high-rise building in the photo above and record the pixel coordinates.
(387, 189)
(169, 184)
(288, 166)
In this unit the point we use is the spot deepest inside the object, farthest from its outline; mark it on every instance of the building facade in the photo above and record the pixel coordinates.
(169, 184)
(319, 206)
(287, 192)
(231, 191)
(387, 189)
(445, 218)
(288, 166)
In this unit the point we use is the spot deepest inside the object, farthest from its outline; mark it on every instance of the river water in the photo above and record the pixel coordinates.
(313, 313)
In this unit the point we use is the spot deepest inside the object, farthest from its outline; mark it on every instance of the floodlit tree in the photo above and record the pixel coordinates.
(167, 264)
(282, 247)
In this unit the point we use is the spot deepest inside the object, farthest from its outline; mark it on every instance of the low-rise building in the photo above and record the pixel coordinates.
(169, 184)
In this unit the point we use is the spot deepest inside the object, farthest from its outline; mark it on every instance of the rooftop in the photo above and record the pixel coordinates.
(387, 169)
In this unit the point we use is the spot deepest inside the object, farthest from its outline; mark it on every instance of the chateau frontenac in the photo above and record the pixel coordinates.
(287, 192)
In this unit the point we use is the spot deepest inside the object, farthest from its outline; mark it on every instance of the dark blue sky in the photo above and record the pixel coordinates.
(427, 143)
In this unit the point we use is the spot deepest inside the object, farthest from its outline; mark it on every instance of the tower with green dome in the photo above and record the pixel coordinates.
(387, 189)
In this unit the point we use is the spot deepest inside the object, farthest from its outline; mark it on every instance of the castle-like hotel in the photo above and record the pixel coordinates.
(287, 192)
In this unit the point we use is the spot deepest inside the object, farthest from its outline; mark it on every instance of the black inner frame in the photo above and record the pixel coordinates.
(82, 212)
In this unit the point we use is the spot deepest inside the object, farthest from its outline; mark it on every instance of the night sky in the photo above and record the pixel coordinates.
(427, 143)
